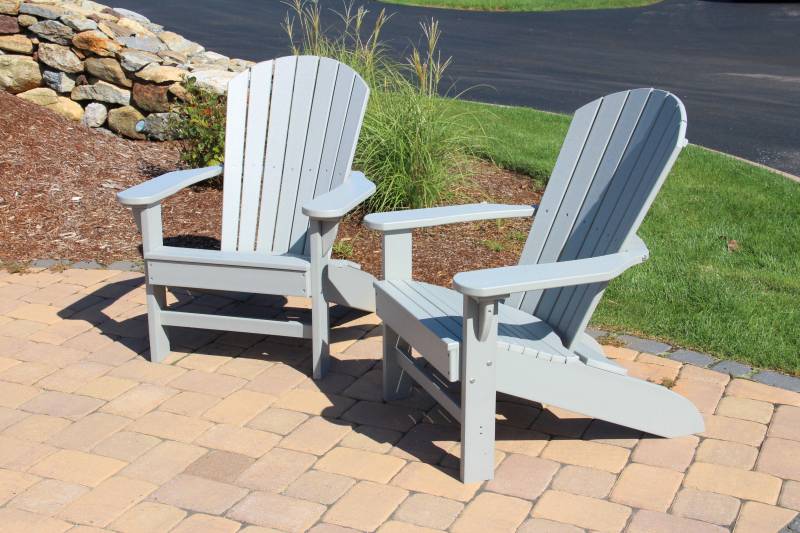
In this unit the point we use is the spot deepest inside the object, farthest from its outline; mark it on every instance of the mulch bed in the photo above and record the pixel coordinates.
(58, 182)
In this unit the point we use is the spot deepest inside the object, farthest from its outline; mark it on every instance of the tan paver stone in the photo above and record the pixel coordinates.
(72, 377)
(360, 464)
(581, 511)
(18, 520)
(244, 367)
(20, 454)
(276, 380)
(170, 426)
(114, 354)
(741, 484)
(87, 529)
(239, 408)
(759, 518)
(395, 526)
(199, 494)
(646, 487)
(726, 453)
(9, 417)
(732, 429)
(589, 454)
(619, 352)
(556, 421)
(613, 434)
(34, 278)
(658, 360)
(202, 523)
(87, 277)
(706, 506)
(429, 511)
(276, 470)
(697, 373)
(10, 346)
(54, 403)
(584, 481)
(259, 529)
(780, 457)
(46, 314)
(148, 517)
(790, 495)
(675, 454)
(250, 442)
(48, 496)
(100, 506)
(492, 512)
(13, 483)
(703, 394)
(79, 467)
(15, 291)
(13, 394)
(90, 341)
(20, 329)
(371, 439)
(320, 487)
(316, 435)
(189, 403)
(27, 373)
(541, 525)
(208, 383)
(106, 387)
(427, 442)
(144, 371)
(746, 409)
(61, 332)
(654, 522)
(314, 403)
(59, 356)
(422, 477)
(37, 428)
(126, 445)
(516, 414)
(163, 462)
(336, 383)
(383, 415)
(786, 423)
(745, 388)
(452, 461)
(649, 371)
(523, 476)
(86, 433)
(220, 466)
(6, 363)
(351, 511)
(278, 421)
(276, 511)
(204, 361)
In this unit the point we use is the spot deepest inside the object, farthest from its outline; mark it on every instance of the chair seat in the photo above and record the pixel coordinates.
(269, 261)
(430, 317)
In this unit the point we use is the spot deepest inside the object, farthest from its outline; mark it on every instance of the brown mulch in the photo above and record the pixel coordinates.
(58, 182)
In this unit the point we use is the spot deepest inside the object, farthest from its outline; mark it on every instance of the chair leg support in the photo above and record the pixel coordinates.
(397, 384)
(320, 318)
(159, 342)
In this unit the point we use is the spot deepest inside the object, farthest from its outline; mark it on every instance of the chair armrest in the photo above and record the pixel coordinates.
(154, 190)
(338, 202)
(497, 282)
(437, 216)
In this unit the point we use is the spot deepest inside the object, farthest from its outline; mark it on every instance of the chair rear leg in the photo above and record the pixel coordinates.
(397, 384)
(320, 332)
(159, 342)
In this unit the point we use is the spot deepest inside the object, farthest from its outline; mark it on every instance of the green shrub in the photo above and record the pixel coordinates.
(200, 121)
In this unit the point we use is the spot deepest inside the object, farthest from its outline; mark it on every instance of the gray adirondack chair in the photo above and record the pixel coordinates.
(617, 154)
(292, 128)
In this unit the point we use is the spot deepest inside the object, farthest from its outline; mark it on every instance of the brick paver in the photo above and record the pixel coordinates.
(232, 435)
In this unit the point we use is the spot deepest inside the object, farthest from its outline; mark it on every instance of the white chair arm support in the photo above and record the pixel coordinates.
(499, 282)
(154, 190)
(338, 202)
(437, 216)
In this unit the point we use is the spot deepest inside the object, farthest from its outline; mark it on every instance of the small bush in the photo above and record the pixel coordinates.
(200, 121)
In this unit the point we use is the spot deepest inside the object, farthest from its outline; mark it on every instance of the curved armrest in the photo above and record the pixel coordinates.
(154, 190)
(497, 282)
(437, 216)
(338, 202)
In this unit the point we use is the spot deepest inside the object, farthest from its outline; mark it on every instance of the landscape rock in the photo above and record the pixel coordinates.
(238, 65)
(60, 82)
(41, 10)
(102, 92)
(161, 74)
(123, 120)
(94, 115)
(135, 27)
(107, 69)
(210, 59)
(16, 44)
(178, 91)
(40, 96)
(148, 44)
(213, 80)
(133, 15)
(177, 43)
(8, 25)
(53, 31)
(27, 20)
(135, 60)
(157, 126)
(19, 73)
(60, 58)
(151, 98)
(48, 98)
(96, 42)
(114, 30)
(79, 23)
(9, 7)
(173, 58)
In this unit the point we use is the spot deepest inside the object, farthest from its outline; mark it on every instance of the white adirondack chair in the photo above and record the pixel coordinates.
(617, 154)
(292, 128)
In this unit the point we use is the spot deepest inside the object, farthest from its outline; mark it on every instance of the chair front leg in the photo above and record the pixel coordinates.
(478, 389)
(397, 384)
(320, 318)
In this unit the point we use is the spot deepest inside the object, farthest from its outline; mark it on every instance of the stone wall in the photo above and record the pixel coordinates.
(103, 67)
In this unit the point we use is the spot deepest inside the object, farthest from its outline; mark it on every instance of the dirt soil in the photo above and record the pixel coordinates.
(58, 182)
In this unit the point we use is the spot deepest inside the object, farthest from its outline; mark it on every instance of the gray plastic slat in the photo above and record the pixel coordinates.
(235, 128)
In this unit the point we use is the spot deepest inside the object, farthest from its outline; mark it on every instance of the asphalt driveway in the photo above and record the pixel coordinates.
(736, 65)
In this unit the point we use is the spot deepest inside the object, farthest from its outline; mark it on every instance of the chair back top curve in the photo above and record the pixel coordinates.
(291, 133)
(617, 153)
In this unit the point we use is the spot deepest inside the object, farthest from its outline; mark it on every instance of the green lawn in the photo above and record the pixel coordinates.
(524, 5)
(693, 291)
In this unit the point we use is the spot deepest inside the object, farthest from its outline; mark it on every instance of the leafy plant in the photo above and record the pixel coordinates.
(343, 249)
(200, 121)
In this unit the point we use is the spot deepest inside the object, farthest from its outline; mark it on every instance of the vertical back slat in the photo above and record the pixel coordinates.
(236, 123)
(257, 120)
(352, 125)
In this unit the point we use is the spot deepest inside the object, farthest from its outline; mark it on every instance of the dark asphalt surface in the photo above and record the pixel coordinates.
(736, 65)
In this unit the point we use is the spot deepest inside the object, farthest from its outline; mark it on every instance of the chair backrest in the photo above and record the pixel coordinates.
(292, 129)
(618, 151)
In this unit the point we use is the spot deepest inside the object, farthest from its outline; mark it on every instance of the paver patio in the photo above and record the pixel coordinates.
(233, 435)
